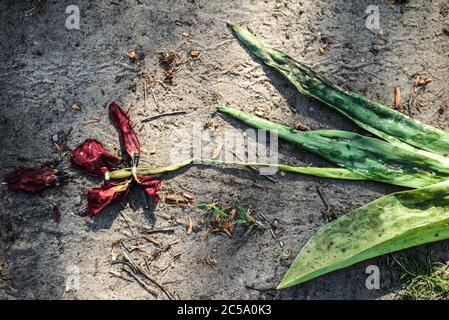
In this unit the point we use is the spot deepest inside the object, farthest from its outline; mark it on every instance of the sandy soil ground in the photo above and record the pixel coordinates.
(45, 69)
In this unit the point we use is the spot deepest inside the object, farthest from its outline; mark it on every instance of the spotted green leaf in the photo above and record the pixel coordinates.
(372, 158)
(391, 223)
(374, 117)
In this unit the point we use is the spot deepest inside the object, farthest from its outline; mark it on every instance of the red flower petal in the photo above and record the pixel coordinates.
(34, 180)
(151, 187)
(93, 158)
(99, 198)
(121, 121)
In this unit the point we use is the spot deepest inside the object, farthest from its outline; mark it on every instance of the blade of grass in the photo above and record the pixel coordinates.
(421, 278)
(213, 207)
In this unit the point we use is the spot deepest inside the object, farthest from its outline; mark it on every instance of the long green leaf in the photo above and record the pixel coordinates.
(374, 117)
(391, 223)
(373, 158)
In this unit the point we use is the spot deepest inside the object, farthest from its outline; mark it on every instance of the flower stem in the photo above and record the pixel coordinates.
(128, 172)
(334, 173)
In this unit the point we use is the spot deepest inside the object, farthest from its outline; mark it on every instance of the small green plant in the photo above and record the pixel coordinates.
(280, 255)
(246, 220)
(225, 222)
(212, 208)
(423, 279)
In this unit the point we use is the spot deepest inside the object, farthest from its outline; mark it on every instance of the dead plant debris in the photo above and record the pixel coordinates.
(76, 107)
(177, 200)
(421, 82)
(259, 111)
(322, 49)
(170, 62)
(132, 55)
(302, 127)
(225, 220)
(195, 54)
(189, 228)
(397, 97)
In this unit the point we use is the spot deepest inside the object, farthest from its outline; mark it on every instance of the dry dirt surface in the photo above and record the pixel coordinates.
(46, 68)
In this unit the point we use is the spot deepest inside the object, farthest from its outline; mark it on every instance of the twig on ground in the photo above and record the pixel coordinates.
(34, 6)
(259, 289)
(329, 214)
(162, 115)
(218, 45)
(267, 220)
(145, 95)
(273, 234)
(118, 275)
(132, 273)
(152, 240)
(79, 211)
(142, 284)
(160, 230)
(90, 121)
(163, 85)
(128, 221)
(171, 262)
(139, 270)
(153, 95)
(328, 207)
(169, 218)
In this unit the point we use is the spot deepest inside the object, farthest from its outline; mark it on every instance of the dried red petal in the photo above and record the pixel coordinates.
(150, 186)
(57, 214)
(34, 180)
(93, 158)
(122, 122)
(99, 198)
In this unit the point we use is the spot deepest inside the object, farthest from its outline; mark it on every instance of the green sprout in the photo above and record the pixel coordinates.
(227, 221)
(280, 255)
(212, 208)
(246, 219)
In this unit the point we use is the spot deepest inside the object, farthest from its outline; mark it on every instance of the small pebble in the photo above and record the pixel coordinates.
(78, 200)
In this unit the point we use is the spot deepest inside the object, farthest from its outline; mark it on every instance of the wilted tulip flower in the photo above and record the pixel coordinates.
(93, 158)
(122, 122)
(34, 180)
(99, 198)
